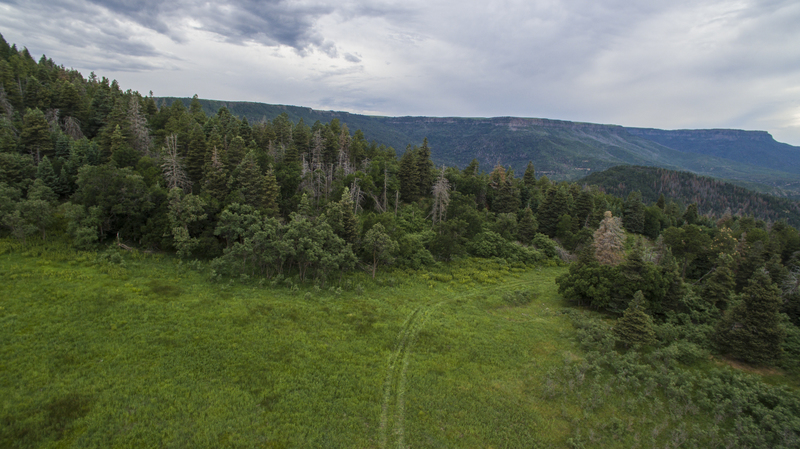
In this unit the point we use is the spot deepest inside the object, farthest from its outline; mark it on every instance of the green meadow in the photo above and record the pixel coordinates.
(125, 349)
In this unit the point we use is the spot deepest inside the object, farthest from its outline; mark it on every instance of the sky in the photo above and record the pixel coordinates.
(671, 65)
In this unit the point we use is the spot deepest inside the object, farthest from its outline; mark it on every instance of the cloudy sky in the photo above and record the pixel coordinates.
(676, 64)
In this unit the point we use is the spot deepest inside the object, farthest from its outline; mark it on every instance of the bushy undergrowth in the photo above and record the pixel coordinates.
(670, 395)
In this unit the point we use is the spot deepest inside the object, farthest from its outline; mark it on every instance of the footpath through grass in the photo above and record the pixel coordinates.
(103, 350)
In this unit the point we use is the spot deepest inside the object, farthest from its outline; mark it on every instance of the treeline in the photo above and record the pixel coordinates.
(712, 196)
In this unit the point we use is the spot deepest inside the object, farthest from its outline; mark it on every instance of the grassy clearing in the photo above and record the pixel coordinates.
(137, 350)
(134, 350)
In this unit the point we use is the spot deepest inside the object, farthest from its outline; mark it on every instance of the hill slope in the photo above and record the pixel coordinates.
(713, 197)
(565, 150)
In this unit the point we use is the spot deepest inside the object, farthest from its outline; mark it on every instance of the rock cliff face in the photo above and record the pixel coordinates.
(750, 147)
(702, 134)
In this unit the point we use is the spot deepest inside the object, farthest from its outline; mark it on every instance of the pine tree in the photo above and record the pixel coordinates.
(555, 204)
(273, 193)
(527, 226)
(635, 327)
(45, 172)
(197, 154)
(633, 216)
(247, 182)
(529, 178)
(691, 215)
(751, 330)
(425, 169)
(121, 153)
(584, 207)
(215, 180)
(720, 284)
(408, 176)
(35, 138)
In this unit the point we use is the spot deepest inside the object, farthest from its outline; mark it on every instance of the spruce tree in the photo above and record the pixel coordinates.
(45, 172)
(635, 327)
(751, 330)
(720, 284)
(426, 172)
(408, 175)
(215, 180)
(529, 178)
(633, 216)
(197, 154)
(247, 182)
(272, 193)
(527, 226)
(35, 137)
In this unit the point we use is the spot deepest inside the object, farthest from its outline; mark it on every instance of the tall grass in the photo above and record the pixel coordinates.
(125, 349)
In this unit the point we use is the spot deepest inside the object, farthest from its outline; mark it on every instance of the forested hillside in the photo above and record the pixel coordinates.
(564, 150)
(712, 196)
(284, 204)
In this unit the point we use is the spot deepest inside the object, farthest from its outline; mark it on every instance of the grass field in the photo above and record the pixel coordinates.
(134, 350)
(148, 352)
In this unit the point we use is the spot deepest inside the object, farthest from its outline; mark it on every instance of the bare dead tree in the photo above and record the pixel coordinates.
(608, 240)
(316, 151)
(51, 115)
(172, 166)
(72, 127)
(356, 195)
(139, 130)
(5, 106)
(441, 198)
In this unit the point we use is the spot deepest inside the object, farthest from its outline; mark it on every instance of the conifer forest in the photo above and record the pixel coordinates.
(170, 278)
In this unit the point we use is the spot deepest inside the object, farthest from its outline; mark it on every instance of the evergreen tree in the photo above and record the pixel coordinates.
(197, 154)
(633, 216)
(215, 180)
(751, 258)
(584, 207)
(272, 193)
(662, 202)
(529, 178)
(45, 172)
(691, 215)
(35, 138)
(121, 152)
(408, 175)
(751, 330)
(184, 209)
(250, 186)
(425, 169)
(635, 327)
(527, 227)
(720, 284)
(548, 213)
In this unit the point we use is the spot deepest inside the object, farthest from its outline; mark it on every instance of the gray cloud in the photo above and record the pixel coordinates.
(685, 63)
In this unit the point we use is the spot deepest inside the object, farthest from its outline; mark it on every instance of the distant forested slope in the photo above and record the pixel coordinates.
(712, 196)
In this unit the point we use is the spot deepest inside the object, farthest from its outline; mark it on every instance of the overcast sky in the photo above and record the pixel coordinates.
(676, 64)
